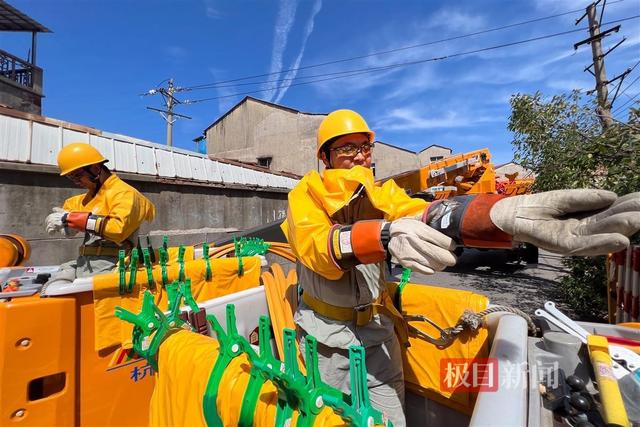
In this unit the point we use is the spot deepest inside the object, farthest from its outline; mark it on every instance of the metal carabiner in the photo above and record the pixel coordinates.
(446, 335)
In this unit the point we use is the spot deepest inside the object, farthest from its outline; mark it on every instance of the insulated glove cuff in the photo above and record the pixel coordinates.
(466, 220)
(364, 242)
(85, 221)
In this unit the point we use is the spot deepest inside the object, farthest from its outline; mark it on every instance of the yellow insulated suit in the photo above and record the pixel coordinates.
(316, 204)
(122, 209)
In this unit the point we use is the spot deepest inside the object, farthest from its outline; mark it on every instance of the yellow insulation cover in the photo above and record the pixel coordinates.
(180, 383)
(111, 331)
(422, 360)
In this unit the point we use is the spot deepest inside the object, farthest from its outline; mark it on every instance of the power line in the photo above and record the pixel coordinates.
(620, 108)
(384, 52)
(355, 72)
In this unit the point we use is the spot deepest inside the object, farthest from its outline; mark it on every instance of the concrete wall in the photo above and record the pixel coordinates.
(425, 156)
(19, 97)
(255, 130)
(189, 212)
(391, 160)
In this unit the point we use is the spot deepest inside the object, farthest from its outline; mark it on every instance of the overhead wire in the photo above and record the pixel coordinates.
(354, 72)
(384, 52)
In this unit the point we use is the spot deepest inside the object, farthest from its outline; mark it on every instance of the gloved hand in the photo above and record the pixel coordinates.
(415, 245)
(54, 223)
(570, 222)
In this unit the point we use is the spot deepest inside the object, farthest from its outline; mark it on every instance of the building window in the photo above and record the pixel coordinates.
(435, 158)
(265, 162)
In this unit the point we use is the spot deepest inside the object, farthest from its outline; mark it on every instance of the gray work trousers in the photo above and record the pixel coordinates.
(84, 266)
(385, 378)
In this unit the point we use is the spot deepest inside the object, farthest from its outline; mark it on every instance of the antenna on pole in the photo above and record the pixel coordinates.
(170, 102)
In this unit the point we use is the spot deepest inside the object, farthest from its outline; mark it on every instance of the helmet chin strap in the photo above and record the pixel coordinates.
(95, 178)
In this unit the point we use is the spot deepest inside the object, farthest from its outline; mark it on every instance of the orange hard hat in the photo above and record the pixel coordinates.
(78, 155)
(341, 122)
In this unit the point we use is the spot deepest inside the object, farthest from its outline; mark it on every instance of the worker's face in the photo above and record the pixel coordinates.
(81, 177)
(348, 151)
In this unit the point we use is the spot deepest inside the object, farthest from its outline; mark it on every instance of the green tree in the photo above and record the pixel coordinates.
(561, 140)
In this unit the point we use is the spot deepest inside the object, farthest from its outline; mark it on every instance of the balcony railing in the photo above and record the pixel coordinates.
(19, 71)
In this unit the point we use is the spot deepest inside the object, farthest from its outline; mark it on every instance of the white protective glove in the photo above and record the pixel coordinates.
(54, 224)
(417, 246)
(570, 222)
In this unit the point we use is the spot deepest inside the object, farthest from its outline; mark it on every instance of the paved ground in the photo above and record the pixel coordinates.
(504, 281)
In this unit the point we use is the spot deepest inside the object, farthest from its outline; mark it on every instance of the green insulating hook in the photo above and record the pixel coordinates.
(185, 289)
(133, 269)
(122, 272)
(165, 242)
(149, 330)
(173, 290)
(231, 346)
(181, 263)
(164, 258)
(205, 256)
(147, 265)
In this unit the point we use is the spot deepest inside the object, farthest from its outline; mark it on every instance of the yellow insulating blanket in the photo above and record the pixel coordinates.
(422, 360)
(185, 362)
(111, 331)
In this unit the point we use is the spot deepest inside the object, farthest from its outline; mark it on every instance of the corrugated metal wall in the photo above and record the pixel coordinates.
(31, 141)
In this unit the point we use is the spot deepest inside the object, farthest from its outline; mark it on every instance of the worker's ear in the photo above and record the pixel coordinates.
(327, 162)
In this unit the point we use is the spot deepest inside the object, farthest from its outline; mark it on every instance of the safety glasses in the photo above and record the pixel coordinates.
(76, 175)
(352, 150)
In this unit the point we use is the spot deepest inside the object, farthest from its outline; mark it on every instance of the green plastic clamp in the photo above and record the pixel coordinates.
(250, 246)
(319, 392)
(205, 255)
(181, 251)
(174, 299)
(232, 345)
(406, 276)
(133, 269)
(151, 283)
(165, 242)
(164, 258)
(122, 272)
(263, 362)
(362, 414)
(185, 288)
(150, 329)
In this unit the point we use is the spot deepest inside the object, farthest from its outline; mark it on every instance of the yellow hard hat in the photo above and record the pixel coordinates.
(78, 155)
(341, 122)
(14, 250)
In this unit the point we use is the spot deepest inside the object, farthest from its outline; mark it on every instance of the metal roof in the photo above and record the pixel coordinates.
(11, 19)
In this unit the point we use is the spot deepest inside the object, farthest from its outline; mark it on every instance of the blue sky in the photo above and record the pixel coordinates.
(103, 54)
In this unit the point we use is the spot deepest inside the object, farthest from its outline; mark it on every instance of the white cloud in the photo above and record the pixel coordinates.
(317, 5)
(211, 11)
(284, 22)
(455, 20)
(224, 104)
(411, 119)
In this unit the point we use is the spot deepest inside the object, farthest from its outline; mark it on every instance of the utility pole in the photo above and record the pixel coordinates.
(170, 101)
(170, 120)
(599, 72)
(598, 67)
